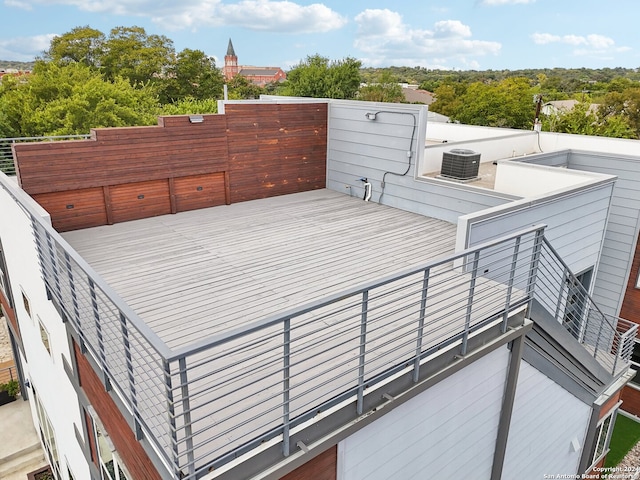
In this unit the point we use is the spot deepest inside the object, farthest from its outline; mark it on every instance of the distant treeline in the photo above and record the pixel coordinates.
(11, 64)
(569, 79)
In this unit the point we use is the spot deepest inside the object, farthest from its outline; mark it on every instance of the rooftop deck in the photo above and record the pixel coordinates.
(234, 264)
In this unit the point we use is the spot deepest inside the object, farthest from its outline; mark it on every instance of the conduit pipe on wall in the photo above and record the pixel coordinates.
(367, 189)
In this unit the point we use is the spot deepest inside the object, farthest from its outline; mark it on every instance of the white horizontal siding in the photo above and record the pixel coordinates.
(622, 230)
(545, 419)
(361, 148)
(447, 432)
(575, 223)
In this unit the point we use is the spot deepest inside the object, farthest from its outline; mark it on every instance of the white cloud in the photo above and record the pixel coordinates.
(592, 41)
(24, 49)
(385, 39)
(266, 15)
(594, 45)
(18, 4)
(505, 2)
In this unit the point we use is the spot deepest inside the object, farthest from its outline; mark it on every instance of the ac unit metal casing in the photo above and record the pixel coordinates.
(460, 164)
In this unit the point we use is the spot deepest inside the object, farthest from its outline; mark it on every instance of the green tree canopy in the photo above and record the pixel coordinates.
(242, 89)
(131, 53)
(385, 89)
(193, 75)
(320, 78)
(190, 105)
(507, 103)
(80, 45)
(71, 99)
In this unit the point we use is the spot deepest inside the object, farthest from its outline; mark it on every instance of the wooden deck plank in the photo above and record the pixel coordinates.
(200, 272)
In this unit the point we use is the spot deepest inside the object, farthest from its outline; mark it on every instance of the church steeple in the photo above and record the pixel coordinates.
(230, 51)
(230, 69)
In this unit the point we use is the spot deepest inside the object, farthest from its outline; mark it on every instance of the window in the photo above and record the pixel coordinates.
(44, 335)
(108, 461)
(635, 362)
(603, 435)
(4, 278)
(48, 436)
(25, 302)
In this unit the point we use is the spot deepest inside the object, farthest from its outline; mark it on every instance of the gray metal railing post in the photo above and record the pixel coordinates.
(171, 417)
(512, 276)
(472, 288)
(616, 356)
(101, 349)
(563, 282)
(423, 308)
(286, 385)
(597, 345)
(130, 375)
(533, 270)
(186, 413)
(54, 267)
(363, 349)
(72, 287)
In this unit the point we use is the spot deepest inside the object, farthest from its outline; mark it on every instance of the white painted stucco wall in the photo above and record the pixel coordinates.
(447, 432)
(45, 372)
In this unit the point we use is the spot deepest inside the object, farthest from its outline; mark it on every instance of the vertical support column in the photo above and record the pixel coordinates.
(286, 447)
(517, 346)
(130, 375)
(423, 308)
(171, 417)
(101, 349)
(472, 288)
(512, 275)
(186, 413)
(363, 349)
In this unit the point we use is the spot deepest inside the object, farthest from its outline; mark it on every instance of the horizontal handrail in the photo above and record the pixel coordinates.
(608, 339)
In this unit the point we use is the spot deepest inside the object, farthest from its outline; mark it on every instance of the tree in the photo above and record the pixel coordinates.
(71, 99)
(507, 103)
(386, 89)
(192, 75)
(80, 45)
(241, 89)
(626, 104)
(448, 99)
(189, 105)
(319, 78)
(130, 53)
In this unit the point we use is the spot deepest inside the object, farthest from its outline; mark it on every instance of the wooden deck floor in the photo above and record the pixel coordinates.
(198, 273)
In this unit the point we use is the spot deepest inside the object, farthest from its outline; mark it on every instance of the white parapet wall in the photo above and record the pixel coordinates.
(44, 336)
(526, 180)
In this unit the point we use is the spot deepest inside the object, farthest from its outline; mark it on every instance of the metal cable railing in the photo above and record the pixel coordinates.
(265, 381)
(7, 161)
(204, 405)
(608, 339)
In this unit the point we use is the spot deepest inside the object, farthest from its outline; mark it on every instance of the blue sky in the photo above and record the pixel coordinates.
(450, 34)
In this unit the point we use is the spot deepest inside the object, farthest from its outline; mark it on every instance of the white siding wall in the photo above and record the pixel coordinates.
(576, 222)
(362, 148)
(532, 451)
(447, 432)
(44, 371)
(622, 231)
